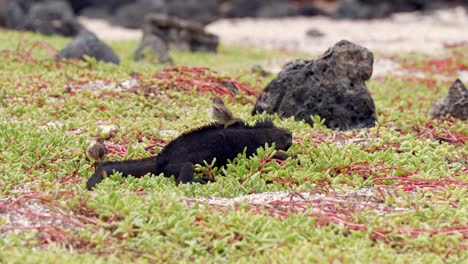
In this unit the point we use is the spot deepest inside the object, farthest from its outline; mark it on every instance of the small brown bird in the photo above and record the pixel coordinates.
(259, 70)
(98, 151)
(222, 114)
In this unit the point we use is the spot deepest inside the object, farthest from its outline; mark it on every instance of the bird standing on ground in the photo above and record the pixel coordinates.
(222, 114)
(259, 70)
(98, 151)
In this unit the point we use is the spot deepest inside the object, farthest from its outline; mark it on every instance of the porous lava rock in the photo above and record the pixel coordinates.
(332, 87)
(180, 34)
(153, 46)
(86, 43)
(455, 103)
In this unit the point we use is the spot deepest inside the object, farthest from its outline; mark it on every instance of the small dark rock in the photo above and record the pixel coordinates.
(314, 33)
(455, 103)
(180, 34)
(332, 87)
(153, 46)
(86, 43)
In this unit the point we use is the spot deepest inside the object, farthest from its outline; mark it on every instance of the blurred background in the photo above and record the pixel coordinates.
(297, 25)
(130, 13)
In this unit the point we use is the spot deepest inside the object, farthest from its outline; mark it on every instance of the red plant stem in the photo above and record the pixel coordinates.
(396, 168)
(422, 183)
(456, 248)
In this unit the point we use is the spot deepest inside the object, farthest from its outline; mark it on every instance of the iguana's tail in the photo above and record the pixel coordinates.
(136, 168)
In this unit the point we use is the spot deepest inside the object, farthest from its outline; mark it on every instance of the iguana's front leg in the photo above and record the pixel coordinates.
(183, 172)
(280, 155)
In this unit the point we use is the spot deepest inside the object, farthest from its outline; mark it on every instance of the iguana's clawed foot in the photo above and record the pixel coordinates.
(203, 180)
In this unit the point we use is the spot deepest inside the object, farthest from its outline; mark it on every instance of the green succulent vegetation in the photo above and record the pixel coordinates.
(50, 111)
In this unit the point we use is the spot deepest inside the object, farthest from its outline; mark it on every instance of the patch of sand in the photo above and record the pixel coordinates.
(360, 200)
(404, 32)
(106, 31)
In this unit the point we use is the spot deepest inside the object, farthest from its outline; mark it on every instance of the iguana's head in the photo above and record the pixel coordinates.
(282, 138)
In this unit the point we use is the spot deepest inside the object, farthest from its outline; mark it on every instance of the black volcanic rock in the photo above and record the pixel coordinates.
(258, 8)
(48, 17)
(454, 103)
(79, 5)
(180, 34)
(12, 14)
(132, 14)
(203, 12)
(153, 46)
(332, 87)
(86, 43)
(356, 9)
(369, 9)
(277, 9)
(52, 17)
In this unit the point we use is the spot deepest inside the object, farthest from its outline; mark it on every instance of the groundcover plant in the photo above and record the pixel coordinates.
(395, 193)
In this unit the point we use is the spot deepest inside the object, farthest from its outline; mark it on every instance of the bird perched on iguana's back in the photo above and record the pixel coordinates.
(98, 151)
(222, 114)
(206, 143)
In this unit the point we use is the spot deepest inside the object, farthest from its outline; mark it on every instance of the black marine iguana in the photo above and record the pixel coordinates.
(179, 157)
